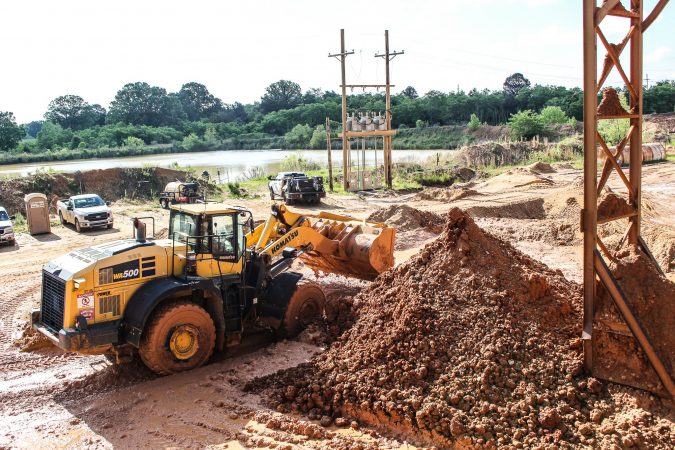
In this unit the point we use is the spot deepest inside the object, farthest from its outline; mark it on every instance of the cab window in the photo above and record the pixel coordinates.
(183, 223)
(224, 240)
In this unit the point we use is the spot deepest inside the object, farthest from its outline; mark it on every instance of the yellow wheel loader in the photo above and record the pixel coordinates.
(174, 301)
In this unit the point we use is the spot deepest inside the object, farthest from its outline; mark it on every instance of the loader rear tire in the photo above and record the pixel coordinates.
(305, 306)
(180, 336)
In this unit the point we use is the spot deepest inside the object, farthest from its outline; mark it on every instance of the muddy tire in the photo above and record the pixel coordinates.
(180, 336)
(78, 228)
(306, 305)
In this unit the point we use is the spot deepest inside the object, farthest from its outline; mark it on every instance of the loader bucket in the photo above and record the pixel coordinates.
(353, 248)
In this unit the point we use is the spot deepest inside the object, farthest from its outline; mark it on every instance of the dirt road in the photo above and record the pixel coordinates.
(52, 399)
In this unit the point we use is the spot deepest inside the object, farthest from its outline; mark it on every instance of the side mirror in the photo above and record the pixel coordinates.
(12, 217)
(107, 203)
(270, 177)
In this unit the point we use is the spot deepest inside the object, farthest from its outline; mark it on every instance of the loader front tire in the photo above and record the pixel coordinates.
(180, 336)
(306, 305)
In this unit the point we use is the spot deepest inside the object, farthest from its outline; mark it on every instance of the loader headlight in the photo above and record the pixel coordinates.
(78, 281)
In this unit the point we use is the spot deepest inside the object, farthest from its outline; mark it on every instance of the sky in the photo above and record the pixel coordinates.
(92, 48)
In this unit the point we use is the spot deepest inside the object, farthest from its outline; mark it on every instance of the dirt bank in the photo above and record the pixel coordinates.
(110, 184)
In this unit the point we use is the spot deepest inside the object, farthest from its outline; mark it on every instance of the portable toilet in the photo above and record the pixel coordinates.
(37, 213)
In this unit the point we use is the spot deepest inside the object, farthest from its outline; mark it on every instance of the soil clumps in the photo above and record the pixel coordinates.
(446, 194)
(652, 299)
(469, 343)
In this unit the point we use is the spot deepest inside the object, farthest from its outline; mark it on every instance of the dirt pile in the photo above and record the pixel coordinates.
(468, 343)
(613, 205)
(652, 299)
(406, 218)
(450, 194)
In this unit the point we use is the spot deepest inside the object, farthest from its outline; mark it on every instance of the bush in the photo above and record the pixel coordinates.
(192, 142)
(526, 124)
(298, 162)
(235, 190)
(553, 115)
(474, 123)
(318, 140)
(133, 142)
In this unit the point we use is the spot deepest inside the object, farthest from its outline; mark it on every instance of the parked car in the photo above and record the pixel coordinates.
(85, 211)
(6, 227)
(180, 192)
(296, 186)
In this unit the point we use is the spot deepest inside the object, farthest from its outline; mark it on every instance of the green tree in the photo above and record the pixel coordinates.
(318, 139)
(514, 83)
(192, 142)
(553, 115)
(133, 142)
(525, 124)
(198, 102)
(10, 133)
(410, 92)
(283, 94)
(53, 136)
(141, 104)
(71, 111)
(34, 127)
(299, 136)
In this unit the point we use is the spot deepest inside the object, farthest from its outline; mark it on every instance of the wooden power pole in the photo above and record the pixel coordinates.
(388, 56)
(330, 158)
(345, 139)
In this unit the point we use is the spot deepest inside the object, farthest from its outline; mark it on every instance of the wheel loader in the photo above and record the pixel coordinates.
(174, 301)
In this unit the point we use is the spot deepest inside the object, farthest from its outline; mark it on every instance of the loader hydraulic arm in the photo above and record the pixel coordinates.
(328, 242)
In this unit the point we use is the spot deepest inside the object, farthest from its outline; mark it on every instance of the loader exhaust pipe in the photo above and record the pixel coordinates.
(139, 228)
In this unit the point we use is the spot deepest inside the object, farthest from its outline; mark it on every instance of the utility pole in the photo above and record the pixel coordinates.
(647, 81)
(330, 159)
(387, 139)
(345, 140)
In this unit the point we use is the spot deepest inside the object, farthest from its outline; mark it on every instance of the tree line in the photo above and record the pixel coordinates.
(141, 114)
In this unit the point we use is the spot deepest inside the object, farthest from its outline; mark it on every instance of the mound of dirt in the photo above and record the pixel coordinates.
(541, 167)
(526, 209)
(612, 205)
(446, 194)
(470, 344)
(652, 299)
(406, 218)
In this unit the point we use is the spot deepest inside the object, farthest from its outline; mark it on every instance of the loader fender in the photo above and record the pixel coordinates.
(154, 293)
(274, 300)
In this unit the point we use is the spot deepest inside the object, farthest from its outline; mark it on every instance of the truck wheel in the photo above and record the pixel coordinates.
(78, 228)
(180, 336)
(271, 194)
(61, 219)
(306, 305)
(288, 201)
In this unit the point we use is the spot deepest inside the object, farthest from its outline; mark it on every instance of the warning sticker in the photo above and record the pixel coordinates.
(85, 300)
(85, 305)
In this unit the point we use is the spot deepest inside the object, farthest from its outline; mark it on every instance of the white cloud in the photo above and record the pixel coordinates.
(657, 55)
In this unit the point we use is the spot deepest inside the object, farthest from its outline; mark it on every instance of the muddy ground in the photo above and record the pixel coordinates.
(52, 399)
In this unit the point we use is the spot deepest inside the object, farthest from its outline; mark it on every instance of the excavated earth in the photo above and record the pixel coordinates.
(469, 343)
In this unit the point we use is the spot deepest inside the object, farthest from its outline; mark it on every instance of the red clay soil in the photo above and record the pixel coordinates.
(613, 205)
(652, 298)
(469, 344)
(610, 104)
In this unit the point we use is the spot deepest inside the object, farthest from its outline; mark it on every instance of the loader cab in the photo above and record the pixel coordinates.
(211, 237)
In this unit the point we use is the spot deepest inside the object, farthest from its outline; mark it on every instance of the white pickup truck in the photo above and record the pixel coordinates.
(6, 228)
(85, 211)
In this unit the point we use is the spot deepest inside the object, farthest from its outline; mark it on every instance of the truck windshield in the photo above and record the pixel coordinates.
(88, 202)
(3, 216)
